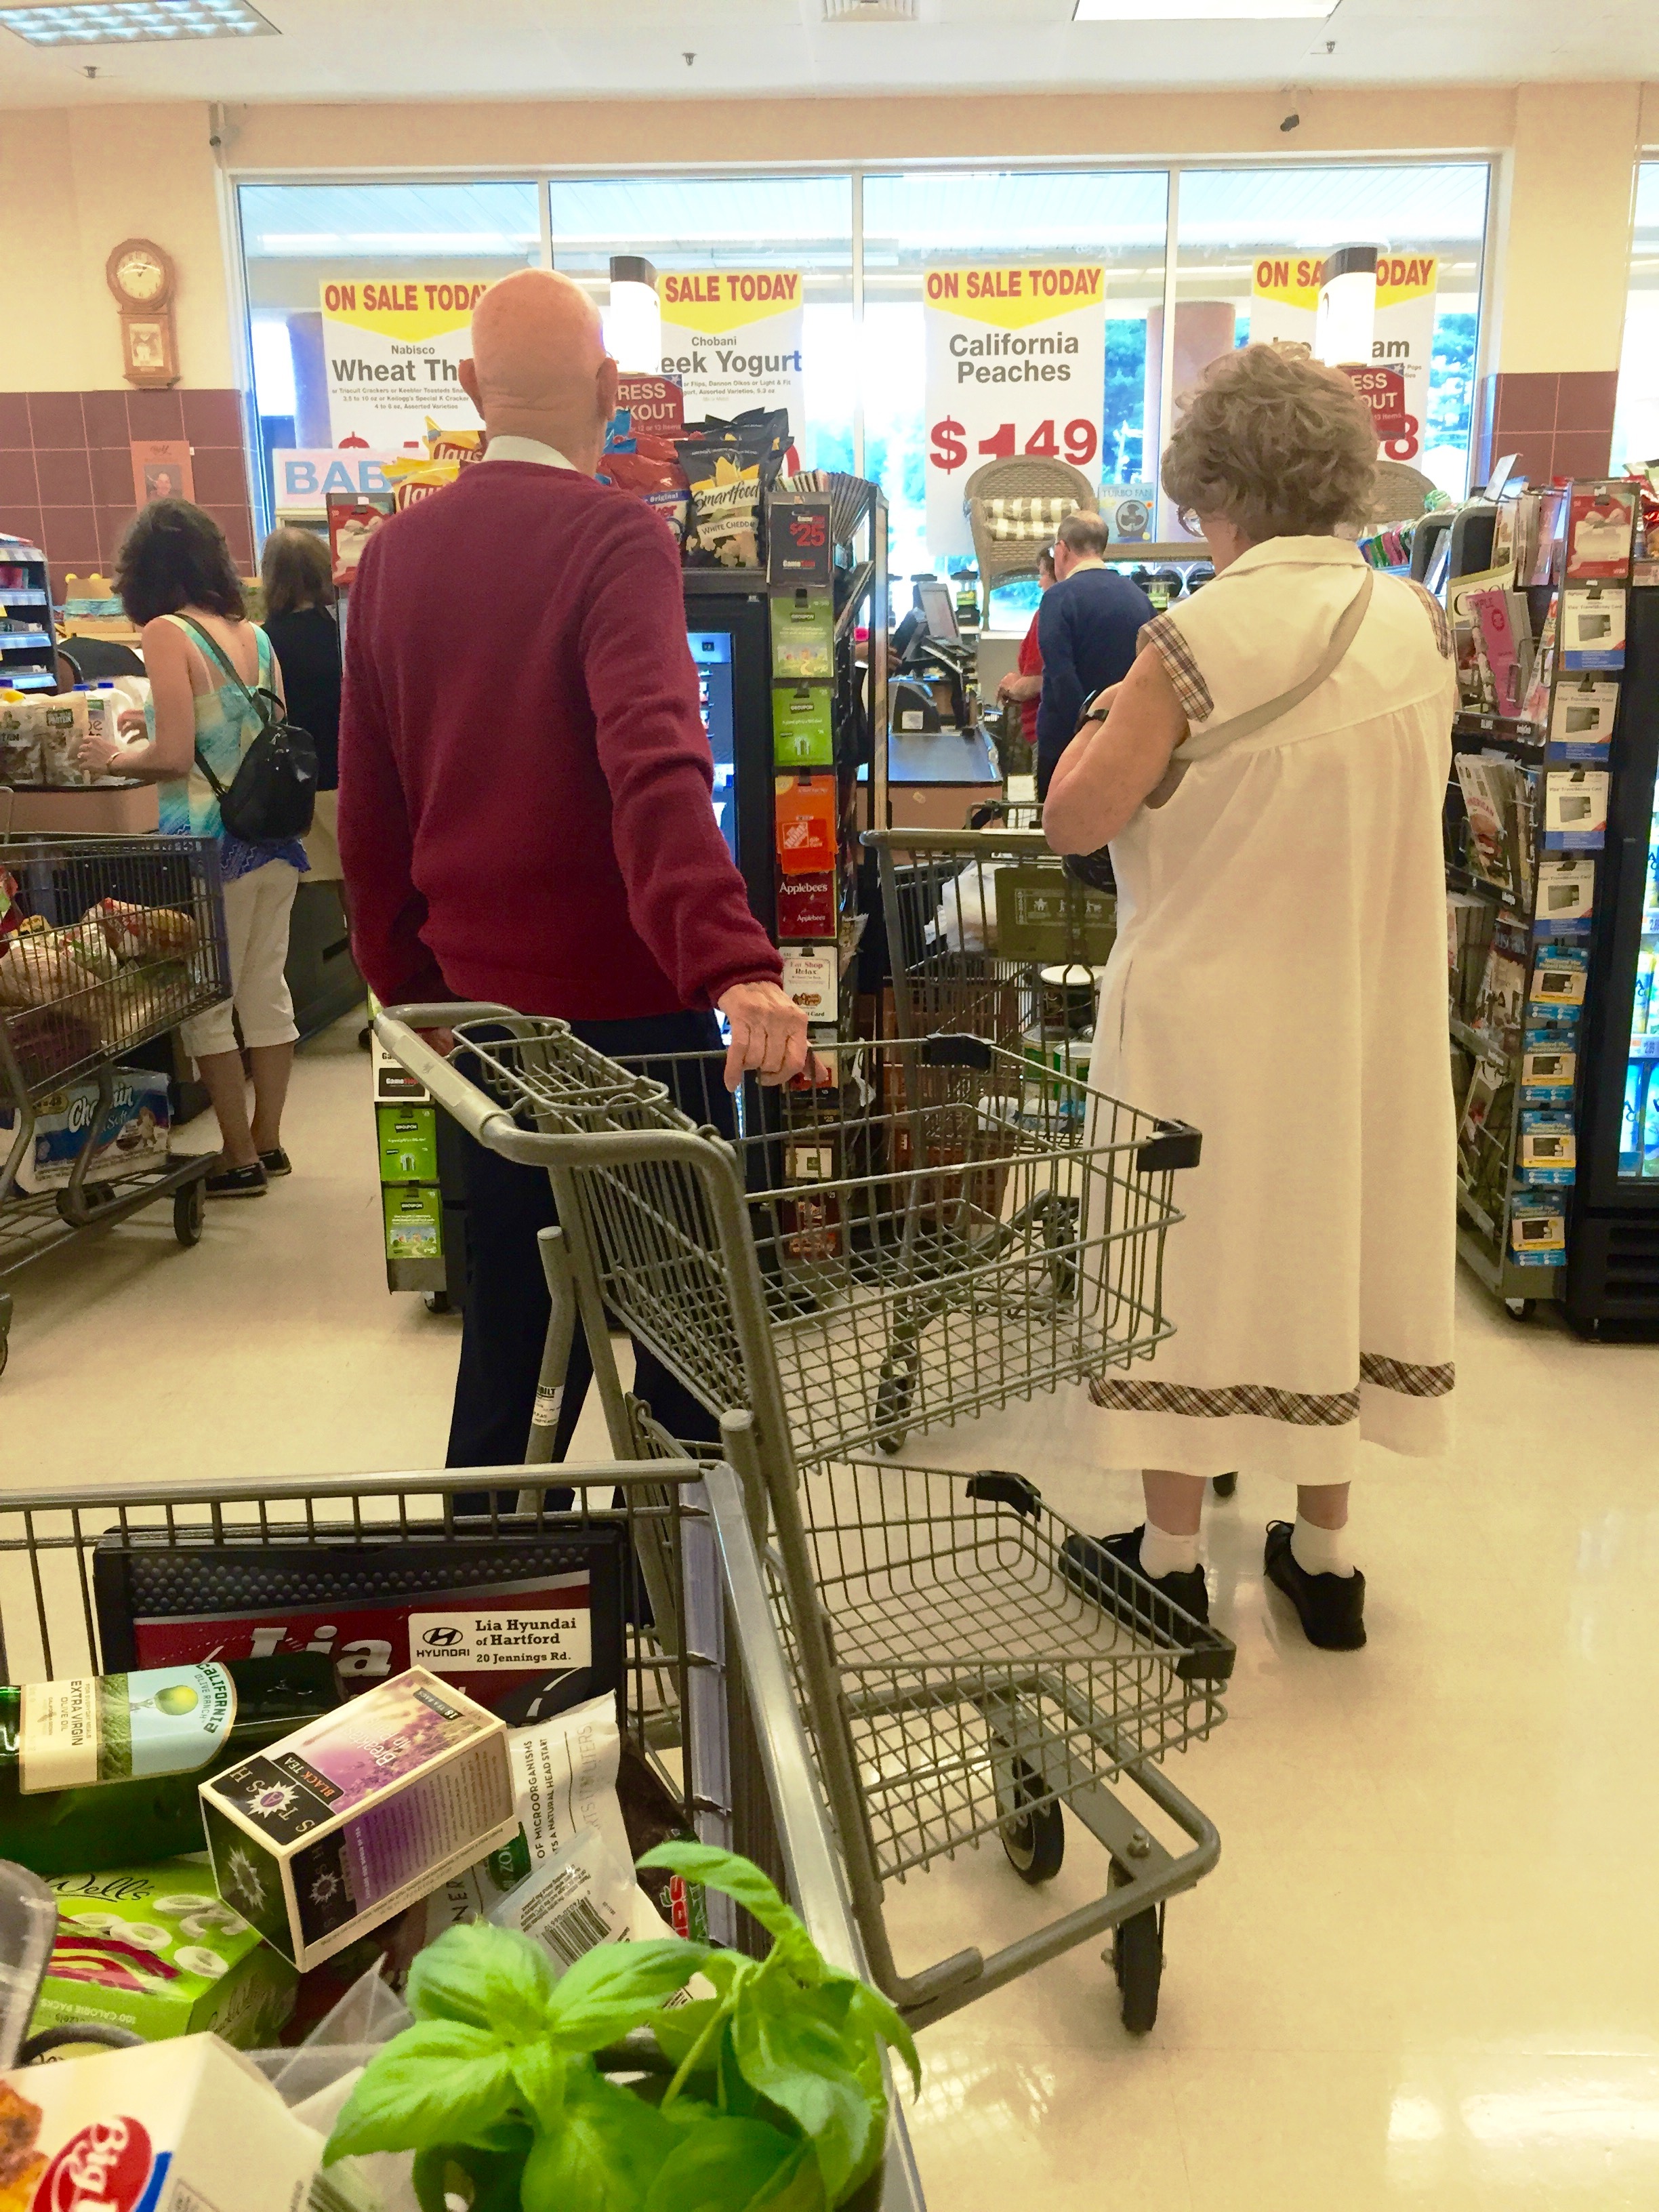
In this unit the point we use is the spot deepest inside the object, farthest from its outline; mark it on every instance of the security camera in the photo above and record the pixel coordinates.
(1292, 122)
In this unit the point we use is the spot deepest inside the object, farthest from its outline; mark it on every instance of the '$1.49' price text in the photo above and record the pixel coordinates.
(1077, 442)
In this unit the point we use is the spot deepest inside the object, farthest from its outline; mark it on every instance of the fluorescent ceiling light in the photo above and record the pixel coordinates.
(134, 23)
(1231, 11)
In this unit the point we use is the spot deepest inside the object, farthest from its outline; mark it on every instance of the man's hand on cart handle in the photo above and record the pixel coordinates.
(768, 1037)
(441, 1042)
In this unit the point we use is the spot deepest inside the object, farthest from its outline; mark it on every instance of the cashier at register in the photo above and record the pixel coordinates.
(525, 800)
(1087, 626)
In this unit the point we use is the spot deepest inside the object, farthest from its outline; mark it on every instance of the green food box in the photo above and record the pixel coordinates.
(414, 1221)
(155, 1949)
(408, 1143)
(802, 734)
(804, 633)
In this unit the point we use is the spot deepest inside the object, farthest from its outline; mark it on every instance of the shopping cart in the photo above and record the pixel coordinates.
(709, 1711)
(940, 1230)
(988, 934)
(108, 943)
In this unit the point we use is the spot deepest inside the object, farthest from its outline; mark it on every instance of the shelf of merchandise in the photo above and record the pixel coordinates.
(1483, 1236)
(28, 657)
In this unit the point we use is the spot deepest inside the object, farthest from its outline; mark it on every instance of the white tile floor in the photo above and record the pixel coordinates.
(1426, 1970)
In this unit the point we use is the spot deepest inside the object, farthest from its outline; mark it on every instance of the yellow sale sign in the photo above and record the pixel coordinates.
(394, 346)
(1015, 363)
(734, 338)
(1285, 305)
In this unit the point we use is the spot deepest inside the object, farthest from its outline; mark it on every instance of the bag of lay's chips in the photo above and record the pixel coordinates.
(458, 446)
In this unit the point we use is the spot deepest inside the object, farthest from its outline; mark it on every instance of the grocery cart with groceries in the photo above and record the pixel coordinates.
(106, 943)
(939, 1227)
(570, 1730)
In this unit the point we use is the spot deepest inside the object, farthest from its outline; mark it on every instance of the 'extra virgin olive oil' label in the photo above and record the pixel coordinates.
(110, 1728)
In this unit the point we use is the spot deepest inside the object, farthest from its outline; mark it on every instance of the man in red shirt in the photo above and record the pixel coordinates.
(1026, 688)
(524, 811)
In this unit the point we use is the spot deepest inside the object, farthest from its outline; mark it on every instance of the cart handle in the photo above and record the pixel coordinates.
(477, 1113)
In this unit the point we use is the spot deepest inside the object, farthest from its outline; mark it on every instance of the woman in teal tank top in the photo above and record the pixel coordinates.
(178, 584)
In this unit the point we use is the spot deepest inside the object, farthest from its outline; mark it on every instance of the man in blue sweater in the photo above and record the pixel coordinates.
(1086, 628)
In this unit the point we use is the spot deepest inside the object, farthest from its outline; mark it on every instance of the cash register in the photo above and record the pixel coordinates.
(939, 763)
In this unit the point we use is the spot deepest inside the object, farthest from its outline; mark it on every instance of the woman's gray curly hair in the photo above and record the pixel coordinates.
(1276, 442)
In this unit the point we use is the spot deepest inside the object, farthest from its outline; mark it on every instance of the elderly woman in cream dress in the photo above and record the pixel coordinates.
(1269, 777)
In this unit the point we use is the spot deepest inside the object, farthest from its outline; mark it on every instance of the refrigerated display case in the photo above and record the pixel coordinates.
(1613, 1259)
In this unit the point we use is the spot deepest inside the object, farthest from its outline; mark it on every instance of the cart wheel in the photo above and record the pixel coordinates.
(189, 1212)
(1035, 1841)
(893, 1394)
(1224, 1484)
(1138, 1961)
(1520, 1308)
(438, 1302)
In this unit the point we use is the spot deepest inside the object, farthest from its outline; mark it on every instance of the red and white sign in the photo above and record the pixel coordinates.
(1383, 390)
(655, 404)
(1016, 364)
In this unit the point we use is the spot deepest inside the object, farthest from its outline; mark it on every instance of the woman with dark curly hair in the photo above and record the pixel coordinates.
(204, 659)
(1269, 777)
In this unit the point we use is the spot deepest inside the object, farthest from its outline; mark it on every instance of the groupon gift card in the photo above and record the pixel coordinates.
(526, 1623)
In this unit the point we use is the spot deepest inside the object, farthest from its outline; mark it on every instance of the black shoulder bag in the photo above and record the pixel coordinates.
(274, 791)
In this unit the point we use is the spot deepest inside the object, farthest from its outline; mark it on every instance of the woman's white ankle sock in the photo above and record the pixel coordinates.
(1319, 1551)
(1162, 1554)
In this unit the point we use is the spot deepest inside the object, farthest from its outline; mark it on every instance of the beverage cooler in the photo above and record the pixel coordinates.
(1613, 1269)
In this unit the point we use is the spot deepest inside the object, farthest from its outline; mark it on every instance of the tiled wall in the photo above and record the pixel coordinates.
(1561, 426)
(66, 470)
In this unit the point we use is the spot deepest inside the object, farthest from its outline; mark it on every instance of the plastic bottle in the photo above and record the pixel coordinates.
(1630, 1129)
(1641, 1004)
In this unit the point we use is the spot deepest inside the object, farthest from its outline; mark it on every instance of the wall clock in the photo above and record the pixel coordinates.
(142, 277)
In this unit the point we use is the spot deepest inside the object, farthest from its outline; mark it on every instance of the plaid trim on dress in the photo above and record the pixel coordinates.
(1442, 637)
(1301, 1409)
(1165, 637)
(1409, 1379)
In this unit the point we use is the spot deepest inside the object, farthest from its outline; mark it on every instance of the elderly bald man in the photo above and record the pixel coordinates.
(525, 800)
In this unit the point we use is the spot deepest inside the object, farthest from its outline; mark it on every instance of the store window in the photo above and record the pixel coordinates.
(923, 219)
(307, 245)
(1636, 427)
(784, 225)
(1242, 232)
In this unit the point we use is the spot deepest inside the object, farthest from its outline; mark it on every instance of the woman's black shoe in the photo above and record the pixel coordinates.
(1331, 1607)
(237, 1182)
(276, 1162)
(1108, 1570)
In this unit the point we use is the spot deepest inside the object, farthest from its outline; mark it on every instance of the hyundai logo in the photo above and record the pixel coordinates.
(440, 1639)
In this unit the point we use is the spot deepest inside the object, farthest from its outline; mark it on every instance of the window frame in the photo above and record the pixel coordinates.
(542, 178)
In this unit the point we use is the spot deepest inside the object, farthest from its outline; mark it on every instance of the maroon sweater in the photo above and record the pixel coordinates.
(524, 781)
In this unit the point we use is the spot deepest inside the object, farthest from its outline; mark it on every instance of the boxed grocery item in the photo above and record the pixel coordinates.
(156, 1950)
(99, 1770)
(337, 1828)
(133, 1137)
(186, 2126)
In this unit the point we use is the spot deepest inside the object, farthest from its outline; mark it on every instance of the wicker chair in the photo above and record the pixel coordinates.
(1025, 476)
(1402, 493)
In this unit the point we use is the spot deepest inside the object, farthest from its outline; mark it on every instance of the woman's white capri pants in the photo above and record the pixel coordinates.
(257, 910)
